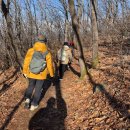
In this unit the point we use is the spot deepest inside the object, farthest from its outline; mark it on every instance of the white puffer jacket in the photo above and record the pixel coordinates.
(68, 54)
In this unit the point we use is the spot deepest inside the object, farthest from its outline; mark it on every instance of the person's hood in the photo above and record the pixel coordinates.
(65, 47)
(39, 46)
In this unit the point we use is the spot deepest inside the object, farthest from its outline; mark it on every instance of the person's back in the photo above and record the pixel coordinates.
(36, 78)
(64, 56)
(39, 47)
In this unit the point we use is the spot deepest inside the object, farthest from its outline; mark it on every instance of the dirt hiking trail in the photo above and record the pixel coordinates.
(100, 102)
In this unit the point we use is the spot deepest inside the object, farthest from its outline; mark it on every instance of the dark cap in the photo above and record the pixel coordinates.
(42, 37)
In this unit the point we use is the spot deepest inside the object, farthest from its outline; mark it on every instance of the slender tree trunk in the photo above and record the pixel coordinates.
(95, 59)
(76, 29)
(66, 30)
(80, 10)
(35, 16)
(5, 10)
(64, 4)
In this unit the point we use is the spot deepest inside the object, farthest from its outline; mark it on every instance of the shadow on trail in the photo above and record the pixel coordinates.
(1, 72)
(119, 76)
(117, 105)
(74, 71)
(10, 116)
(5, 87)
(53, 115)
(12, 75)
(78, 73)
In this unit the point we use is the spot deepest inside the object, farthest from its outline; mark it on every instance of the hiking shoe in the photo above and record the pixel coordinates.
(68, 68)
(27, 102)
(32, 108)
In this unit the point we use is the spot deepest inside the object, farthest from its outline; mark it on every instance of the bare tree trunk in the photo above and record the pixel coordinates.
(123, 34)
(95, 59)
(76, 29)
(66, 30)
(64, 4)
(79, 15)
(80, 10)
(5, 10)
(35, 15)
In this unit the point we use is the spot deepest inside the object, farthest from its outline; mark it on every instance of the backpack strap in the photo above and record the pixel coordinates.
(45, 53)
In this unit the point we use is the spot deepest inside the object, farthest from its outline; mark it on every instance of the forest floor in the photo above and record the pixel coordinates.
(100, 102)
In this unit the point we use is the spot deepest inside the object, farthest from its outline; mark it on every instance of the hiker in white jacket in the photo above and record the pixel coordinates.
(64, 56)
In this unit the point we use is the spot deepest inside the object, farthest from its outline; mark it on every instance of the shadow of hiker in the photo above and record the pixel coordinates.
(117, 105)
(53, 115)
(48, 118)
(10, 116)
(61, 104)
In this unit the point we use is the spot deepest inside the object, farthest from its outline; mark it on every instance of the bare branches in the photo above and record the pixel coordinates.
(21, 21)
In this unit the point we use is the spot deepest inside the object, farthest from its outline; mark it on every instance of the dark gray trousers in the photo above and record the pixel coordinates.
(34, 90)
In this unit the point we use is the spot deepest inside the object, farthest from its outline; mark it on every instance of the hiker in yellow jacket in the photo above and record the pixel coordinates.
(36, 80)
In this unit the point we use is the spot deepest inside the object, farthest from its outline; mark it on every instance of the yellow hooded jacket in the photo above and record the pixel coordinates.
(38, 46)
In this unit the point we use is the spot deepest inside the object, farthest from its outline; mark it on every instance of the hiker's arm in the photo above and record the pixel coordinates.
(27, 61)
(50, 64)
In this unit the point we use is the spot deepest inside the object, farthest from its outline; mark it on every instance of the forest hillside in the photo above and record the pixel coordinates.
(94, 93)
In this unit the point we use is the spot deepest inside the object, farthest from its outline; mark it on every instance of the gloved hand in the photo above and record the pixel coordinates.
(53, 81)
(25, 75)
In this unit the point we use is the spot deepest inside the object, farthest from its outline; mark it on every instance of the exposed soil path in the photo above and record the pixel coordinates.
(100, 102)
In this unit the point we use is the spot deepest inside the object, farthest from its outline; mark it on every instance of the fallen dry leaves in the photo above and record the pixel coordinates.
(104, 105)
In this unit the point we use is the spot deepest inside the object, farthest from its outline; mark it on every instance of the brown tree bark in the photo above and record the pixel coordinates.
(5, 9)
(95, 59)
(64, 4)
(76, 29)
(80, 10)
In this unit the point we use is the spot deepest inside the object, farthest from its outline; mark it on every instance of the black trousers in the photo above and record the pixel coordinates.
(34, 90)
(62, 69)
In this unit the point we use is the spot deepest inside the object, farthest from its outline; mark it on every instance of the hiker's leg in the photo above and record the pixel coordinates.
(29, 91)
(37, 92)
(60, 71)
(64, 68)
(73, 52)
(68, 66)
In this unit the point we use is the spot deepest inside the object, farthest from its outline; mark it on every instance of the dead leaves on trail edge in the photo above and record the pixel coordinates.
(101, 102)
